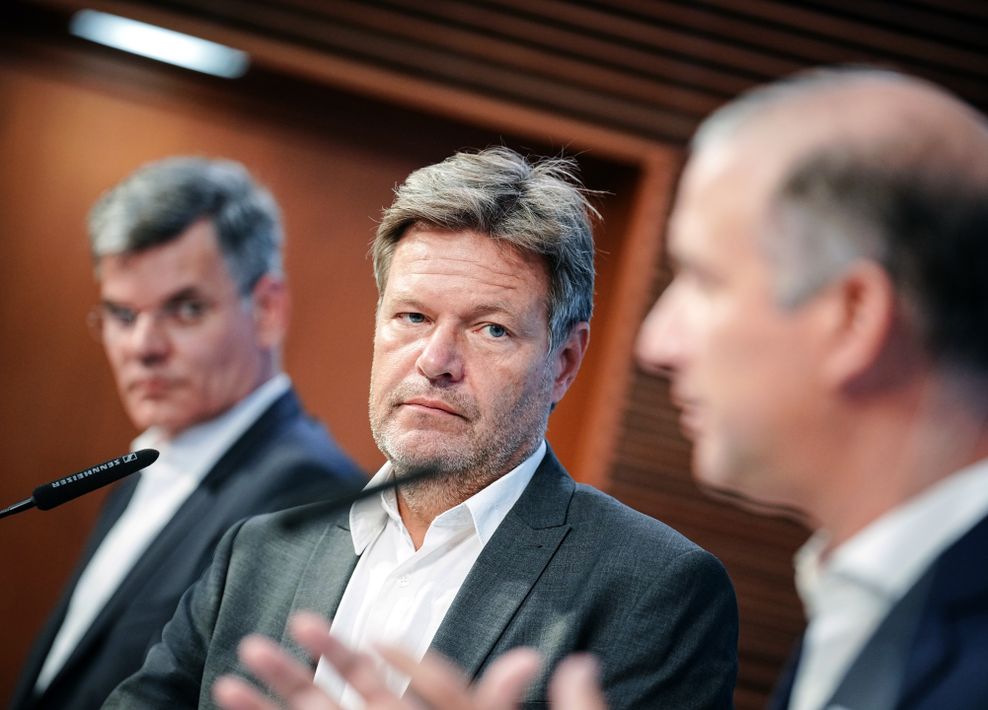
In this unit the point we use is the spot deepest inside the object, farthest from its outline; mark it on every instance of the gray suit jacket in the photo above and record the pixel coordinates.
(569, 569)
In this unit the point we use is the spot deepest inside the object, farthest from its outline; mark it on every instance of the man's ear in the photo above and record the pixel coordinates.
(272, 307)
(568, 358)
(862, 315)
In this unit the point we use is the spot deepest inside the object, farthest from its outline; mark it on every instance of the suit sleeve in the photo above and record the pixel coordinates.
(173, 670)
(678, 641)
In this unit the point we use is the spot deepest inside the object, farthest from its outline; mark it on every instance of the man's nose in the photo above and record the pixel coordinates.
(148, 337)
(441, 358)
(660, 345)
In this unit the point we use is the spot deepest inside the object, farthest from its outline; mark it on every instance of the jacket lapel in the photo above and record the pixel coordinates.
(188, 520)
(115, 505)
(323, 579)
(185, 523)
(779, 700)
(960, 577)
(327, 571)
(507, 569)
(875, 678)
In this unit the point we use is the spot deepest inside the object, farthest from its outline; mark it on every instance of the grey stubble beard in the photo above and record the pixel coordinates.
(462, 472)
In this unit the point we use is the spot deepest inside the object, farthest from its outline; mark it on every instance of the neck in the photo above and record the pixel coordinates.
(417, 518)
(895, 449)
(423, 501)
(420, 502)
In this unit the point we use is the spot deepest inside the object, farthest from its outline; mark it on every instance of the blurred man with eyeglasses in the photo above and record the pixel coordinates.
(193, 310)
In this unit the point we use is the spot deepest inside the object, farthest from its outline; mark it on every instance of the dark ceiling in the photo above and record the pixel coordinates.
(649, 68)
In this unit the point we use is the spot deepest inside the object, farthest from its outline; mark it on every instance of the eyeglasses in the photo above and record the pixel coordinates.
(111, 320)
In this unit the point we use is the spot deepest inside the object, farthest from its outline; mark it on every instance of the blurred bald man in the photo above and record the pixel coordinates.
(826, 335)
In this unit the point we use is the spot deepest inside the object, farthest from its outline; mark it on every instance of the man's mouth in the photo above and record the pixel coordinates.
(150, 386)
(689, 414)
(431, 406)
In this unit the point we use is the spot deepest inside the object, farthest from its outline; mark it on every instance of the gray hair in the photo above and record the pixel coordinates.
(159, 201)
(913, 199)
(731, 118)
(535, 206)
(927, 230)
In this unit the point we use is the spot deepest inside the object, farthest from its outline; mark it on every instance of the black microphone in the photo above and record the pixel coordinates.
(62, 490)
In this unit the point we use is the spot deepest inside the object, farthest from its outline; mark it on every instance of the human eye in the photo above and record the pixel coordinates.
(495, 330)
(120, 316)
(411, 318)
(187, 311)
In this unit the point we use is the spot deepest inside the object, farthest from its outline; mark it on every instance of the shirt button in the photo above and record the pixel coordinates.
(403, 580)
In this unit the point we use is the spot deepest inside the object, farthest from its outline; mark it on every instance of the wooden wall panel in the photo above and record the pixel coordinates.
(626, 79)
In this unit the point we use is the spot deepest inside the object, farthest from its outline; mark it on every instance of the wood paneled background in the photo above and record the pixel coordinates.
(342, 100)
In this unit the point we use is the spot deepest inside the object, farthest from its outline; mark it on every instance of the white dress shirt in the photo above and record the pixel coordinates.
(848, 594)
(162, 489)
(400, 595)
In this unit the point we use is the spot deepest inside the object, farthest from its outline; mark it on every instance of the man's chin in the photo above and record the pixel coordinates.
(748, 486)
(710, 470)
(406, 461)
(146, 417)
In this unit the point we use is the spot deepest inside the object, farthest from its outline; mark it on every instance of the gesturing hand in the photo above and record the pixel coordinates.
(435, 682)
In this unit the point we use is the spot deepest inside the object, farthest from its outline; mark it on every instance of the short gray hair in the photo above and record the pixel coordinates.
(535, 206)
(750, 106)
(926, 229)
(807, 261)
(160, 200)
(913, 199)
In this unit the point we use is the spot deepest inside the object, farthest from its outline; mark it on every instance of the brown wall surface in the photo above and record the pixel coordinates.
(345, 98)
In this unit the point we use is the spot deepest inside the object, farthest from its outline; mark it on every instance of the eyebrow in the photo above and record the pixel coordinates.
(484, 309)
(185, 294)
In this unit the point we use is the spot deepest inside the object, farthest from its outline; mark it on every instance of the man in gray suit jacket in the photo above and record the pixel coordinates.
(826, 335)
(193, 310)
(484, 265)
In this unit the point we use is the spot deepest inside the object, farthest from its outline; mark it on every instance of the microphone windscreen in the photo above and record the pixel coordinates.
(62, 490)
(294, 517)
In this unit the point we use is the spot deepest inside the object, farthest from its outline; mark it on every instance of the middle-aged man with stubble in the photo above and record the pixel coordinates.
(484, 264)
(826, 335)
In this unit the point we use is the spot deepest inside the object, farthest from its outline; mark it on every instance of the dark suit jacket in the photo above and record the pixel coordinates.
(283, 459)
(932, 651)
(569, 569)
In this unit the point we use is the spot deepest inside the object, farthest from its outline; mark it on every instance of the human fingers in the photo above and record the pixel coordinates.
(575, 685)
(285, 676)
(503, 685)
(358, 669)
(434, 679)
(232, 693)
